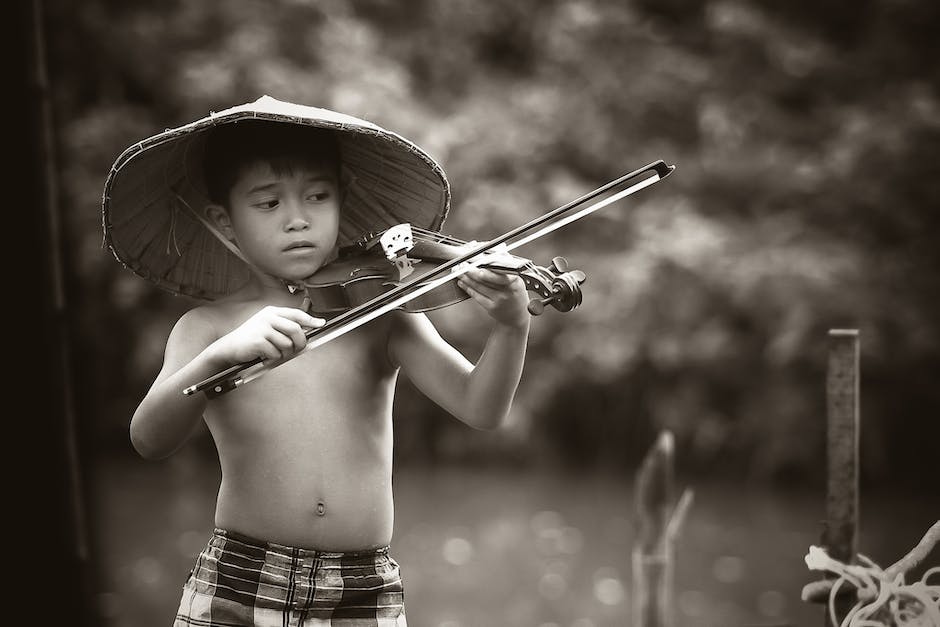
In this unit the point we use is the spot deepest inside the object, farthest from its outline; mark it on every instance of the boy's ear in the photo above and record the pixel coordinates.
(219, 217)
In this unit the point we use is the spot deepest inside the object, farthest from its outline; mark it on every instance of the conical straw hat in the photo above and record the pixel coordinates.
(152, 209)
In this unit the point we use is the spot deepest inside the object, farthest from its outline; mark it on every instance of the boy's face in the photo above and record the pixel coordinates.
(284, 223)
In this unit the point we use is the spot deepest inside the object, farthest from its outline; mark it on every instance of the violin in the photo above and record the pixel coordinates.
(379, 294)
(379, 262)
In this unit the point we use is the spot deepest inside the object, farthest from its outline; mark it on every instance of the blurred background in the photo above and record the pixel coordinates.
(806, 136)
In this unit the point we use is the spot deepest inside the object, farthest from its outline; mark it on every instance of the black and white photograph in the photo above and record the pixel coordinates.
(478, 313)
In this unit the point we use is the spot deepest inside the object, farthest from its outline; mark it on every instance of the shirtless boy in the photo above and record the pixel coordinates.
(304, 514)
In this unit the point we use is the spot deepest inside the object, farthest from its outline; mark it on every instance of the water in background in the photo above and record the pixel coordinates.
(485, 548)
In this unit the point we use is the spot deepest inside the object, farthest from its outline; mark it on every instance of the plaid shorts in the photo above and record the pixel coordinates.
(240, 581)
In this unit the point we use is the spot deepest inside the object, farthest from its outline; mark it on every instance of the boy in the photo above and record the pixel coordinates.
(304, 513)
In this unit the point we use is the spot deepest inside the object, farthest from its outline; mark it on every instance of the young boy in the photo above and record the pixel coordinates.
(304, 513)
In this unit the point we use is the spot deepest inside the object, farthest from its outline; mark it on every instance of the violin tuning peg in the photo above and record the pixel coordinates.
(578, 276)
(560, 264)
(536, 306)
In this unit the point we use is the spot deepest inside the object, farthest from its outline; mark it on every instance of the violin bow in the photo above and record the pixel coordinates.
(240, 374)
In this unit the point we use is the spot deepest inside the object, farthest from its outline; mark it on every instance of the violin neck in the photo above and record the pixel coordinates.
(441, 251)
(438, 251)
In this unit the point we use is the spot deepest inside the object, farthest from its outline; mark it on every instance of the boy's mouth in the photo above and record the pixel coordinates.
(300, 244)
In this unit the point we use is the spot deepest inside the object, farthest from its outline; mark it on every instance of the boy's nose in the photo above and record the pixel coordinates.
(296, 220)
(297, 224)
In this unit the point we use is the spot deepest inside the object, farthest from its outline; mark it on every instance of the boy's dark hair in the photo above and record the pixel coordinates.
(230, 147)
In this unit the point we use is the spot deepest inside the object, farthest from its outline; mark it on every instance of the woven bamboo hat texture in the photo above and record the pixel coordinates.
(154, 197)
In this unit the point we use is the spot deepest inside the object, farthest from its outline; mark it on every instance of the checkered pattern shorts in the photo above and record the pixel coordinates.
(243, 582)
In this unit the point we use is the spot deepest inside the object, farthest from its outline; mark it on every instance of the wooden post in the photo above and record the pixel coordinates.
(653, 559)
(840, 535)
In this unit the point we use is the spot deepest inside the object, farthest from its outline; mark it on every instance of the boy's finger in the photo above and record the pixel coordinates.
(270, 352)
(490, 291)
(302, 318)
(279, 340)
(294, 331)
(495, 279)
(313, 323)
(476, 291)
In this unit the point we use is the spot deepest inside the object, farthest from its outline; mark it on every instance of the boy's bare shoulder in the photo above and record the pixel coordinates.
(200, 322)
(207, 321)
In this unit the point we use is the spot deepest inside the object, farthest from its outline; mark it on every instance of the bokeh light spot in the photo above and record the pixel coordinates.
(609, 591)
(457, 551)
(608, 588)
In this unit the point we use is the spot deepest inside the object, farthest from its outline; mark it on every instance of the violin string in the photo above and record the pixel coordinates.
(438, 236)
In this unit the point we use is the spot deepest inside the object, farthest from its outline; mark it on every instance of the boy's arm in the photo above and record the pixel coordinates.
(166, 418)
(478, 394)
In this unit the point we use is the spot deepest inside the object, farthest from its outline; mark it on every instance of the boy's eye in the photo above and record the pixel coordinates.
(267, 204)
(318, 196)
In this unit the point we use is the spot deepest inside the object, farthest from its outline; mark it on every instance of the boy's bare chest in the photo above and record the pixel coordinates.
(356, 361)
(350, 376)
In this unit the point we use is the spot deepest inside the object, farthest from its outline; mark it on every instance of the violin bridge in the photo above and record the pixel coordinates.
(396, 241)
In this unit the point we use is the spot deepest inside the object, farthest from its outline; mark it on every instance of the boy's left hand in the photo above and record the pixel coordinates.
(503, 296)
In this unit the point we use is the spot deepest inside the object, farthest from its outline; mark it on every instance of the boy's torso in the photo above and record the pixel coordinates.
(306, 449)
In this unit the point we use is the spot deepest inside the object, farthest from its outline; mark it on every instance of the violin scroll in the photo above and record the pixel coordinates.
(565, 292)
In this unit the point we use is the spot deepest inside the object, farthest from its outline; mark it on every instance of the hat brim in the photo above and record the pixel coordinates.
(156, 185)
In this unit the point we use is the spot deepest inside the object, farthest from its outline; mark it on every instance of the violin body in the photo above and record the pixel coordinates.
(347, 283)
(359, 277)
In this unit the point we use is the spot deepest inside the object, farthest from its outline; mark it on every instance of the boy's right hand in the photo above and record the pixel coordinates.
(273, 334)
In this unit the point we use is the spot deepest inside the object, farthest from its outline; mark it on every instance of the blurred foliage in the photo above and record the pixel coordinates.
(807, 140)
